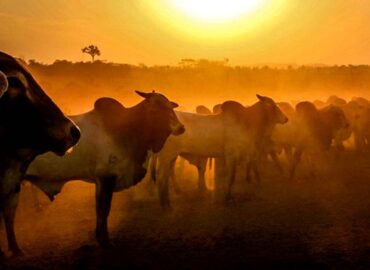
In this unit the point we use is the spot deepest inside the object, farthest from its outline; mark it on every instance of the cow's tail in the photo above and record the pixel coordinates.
(153, 168)
(210, 163)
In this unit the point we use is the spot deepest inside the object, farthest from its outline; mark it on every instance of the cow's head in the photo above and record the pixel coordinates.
(162, 120)
(29, 119)
(335, 118)
(271, 110)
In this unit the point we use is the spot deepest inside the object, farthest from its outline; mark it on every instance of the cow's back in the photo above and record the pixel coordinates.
(203, 136)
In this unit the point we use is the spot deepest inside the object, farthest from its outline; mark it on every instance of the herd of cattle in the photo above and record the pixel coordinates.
(117, 145)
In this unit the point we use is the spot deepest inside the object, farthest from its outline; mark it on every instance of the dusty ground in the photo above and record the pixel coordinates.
(314, 223)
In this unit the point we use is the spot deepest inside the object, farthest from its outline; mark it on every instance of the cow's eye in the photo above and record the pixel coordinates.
(14, 82)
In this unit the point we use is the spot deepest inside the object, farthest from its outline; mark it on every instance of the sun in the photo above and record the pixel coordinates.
(216, 10)
(212, 22)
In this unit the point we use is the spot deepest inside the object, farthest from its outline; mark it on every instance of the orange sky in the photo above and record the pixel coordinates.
(136, 31)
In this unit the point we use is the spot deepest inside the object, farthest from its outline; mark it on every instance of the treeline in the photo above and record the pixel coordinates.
(193, 82)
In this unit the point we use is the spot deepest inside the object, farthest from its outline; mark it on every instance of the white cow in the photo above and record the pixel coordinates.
(112, 153)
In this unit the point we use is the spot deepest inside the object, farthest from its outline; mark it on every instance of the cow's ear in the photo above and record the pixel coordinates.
(3, 83)
(233, 108)
(144, 95)
(107, 105)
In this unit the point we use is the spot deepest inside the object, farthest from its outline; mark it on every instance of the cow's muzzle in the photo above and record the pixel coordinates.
(68, 138)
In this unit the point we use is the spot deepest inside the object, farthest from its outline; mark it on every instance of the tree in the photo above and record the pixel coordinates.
(93, 50)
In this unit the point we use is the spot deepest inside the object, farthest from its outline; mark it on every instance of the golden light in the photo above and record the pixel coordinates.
(217, 10)
(207, 21)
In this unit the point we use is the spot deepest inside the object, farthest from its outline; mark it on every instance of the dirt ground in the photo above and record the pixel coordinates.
(320, 222)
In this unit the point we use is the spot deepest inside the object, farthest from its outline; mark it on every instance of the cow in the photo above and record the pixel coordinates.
(231, 135)
(283, 136)
(316, 130)
(280, 141)
(342, 107)
(199, 162)
(30, 124)
(113, 151)
(260, 121)
(358, 113)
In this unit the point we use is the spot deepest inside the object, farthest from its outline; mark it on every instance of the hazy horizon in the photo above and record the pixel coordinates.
(133, 32)
(277, 65)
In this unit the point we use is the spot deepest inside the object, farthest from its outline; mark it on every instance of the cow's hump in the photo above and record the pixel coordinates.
(233, 108)
(108, 106)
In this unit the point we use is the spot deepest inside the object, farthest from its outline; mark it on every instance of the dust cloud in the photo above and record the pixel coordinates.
(317, 221)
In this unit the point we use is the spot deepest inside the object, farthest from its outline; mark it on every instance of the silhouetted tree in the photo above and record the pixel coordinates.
(92, 50)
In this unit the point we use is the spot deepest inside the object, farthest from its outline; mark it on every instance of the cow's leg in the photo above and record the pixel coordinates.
(230, 178)
(256, 170)
(359, 140)
(248, 175)
(252, 166)
(288, 149)
(176, 185)
(164, 171)
(201, 175)
(219, 179)
(10, 207)
(276, 160)
(296, 159)
(104, 193)
(2, 254)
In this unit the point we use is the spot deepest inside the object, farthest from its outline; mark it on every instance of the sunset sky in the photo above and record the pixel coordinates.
(159, 32)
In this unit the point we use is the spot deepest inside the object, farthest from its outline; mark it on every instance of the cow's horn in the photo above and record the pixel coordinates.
(142, 94)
